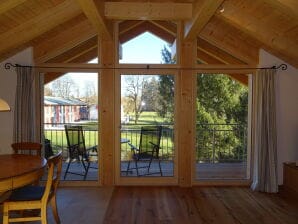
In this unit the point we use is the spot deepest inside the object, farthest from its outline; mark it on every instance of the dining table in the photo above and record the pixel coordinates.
(17, 170)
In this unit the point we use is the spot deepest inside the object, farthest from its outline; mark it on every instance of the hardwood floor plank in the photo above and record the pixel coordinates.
(198, 205)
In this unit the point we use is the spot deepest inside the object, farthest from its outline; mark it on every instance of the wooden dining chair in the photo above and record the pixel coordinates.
(36, 197)
(32, 148)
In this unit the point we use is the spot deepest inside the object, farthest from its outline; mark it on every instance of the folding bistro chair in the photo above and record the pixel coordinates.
(147, 151)
(77, 150)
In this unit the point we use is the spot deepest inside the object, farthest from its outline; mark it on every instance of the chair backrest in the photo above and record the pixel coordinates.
(53, 179)
(48, 151)
(32, 148)
(150, 139)
(75, 138)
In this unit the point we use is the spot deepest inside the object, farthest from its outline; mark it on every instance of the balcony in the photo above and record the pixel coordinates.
(221, 150)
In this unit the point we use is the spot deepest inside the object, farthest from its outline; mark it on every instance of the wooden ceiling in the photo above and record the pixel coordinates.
(227, 31)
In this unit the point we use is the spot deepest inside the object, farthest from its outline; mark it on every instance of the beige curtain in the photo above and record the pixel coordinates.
(27, 114)
(264, 132)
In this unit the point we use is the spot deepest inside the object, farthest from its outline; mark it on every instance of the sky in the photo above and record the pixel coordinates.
(145, 48)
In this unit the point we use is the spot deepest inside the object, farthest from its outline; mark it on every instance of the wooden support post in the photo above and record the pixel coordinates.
(186, 112)
(107, 111)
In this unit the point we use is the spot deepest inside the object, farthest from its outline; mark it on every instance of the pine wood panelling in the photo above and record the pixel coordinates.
(5, 5)
(268, 28)
(64, 41)
(202, 12)
(16, 12)
(231, 40)
(38, 25)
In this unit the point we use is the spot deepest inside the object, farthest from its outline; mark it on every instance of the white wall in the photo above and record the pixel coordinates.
(286, 111)
(8, 79)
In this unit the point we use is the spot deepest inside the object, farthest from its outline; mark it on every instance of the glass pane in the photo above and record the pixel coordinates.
(147, 49)
(221, 127)
(147, 125)
(72, 101)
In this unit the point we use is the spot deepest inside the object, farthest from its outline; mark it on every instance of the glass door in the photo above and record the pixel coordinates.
(146, 134)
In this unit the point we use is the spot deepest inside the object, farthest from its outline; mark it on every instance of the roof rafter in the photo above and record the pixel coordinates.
(210, 54)
(74, 53)
(229, 39)
(202, 13)
(94, 12)
(217, 53)
(64, 41)
(143, 27)
(38, 25)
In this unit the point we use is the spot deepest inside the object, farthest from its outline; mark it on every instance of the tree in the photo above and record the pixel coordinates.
(150, 94)
(48, 91)
(90, 93)
(141, 95)
(220, 100)
(63, 87)
(134, 89)
(166, 88)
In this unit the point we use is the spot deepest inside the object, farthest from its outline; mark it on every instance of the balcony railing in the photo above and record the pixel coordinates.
(219, 143)
(214, 142)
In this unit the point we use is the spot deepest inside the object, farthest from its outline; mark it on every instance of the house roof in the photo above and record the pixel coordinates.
(51, 100)
(227, 31)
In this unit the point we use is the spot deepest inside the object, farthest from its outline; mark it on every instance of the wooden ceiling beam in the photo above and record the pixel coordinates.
(169, 27)
(147, 10)
(205, 58)
(63, 41)
(143, 27)
(209, 59)
(272, 39)
(202, 13)
(6, 5)
(38, 25)
(76, 51)
(217, 53)
(128, 25)
(82, 58)
(94, 12)
(231, 40)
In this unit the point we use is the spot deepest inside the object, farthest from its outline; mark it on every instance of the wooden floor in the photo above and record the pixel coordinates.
(198, 205)
(143, 205)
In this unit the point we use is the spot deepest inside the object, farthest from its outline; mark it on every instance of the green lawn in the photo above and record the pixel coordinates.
(129, 131)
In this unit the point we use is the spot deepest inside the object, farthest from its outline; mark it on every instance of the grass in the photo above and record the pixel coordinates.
(129, 131)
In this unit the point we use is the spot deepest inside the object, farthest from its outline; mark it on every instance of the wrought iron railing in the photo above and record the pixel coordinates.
(214, 142)
(221, 143)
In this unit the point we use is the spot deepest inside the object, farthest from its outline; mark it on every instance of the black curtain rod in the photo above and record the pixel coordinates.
(8, 66)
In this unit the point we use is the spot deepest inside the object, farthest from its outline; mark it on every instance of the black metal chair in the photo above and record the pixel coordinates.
(147, 151)
(77, 150)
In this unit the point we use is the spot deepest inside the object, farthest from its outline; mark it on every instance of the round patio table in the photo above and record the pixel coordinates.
(17, 170)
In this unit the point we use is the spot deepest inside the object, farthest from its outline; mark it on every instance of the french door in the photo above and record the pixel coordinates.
(145, 119)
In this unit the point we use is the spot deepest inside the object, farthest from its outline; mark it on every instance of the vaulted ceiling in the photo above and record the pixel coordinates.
(227, 31)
